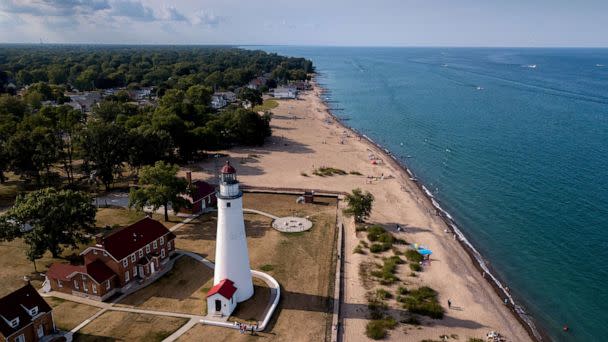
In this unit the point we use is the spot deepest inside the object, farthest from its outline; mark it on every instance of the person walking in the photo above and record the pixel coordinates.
(449, 303)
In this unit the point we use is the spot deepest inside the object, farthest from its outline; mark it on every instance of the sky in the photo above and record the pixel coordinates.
(527, 23)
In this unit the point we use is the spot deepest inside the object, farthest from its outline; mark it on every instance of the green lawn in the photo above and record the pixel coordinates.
(267, 105)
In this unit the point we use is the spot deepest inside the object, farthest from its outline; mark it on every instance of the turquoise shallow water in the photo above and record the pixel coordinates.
(514, 143)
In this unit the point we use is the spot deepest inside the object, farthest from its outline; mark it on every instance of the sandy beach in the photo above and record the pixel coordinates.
(306, 137)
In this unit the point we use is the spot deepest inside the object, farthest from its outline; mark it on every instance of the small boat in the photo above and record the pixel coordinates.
(479, 88)
(531, 66)
(599, 65)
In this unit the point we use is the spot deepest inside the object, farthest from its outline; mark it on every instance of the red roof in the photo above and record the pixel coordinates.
(202, 190)
(129, 240)
(11, 308)
(62, 271)
(228, 168)
(99, 271)
(96, 270)
(225, 288)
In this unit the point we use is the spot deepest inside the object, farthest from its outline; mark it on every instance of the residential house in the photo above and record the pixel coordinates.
(129, 254)
(257, 83)
(228, 95)
(218, 102)
(202, 195)
(25, 316)
(285, 93)
(85, 100)
(220, 299)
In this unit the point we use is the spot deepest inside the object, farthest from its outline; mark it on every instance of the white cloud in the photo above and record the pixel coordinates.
(172, 14)
(207, 18)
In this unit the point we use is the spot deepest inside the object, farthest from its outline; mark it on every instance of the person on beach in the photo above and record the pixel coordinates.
(449, 303)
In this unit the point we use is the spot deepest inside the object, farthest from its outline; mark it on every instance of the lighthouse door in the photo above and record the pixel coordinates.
(218, 305)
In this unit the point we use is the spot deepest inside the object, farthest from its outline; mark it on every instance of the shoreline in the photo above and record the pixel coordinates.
(477, 259)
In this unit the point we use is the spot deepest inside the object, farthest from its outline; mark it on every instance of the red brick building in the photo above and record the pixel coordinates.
(25, 316)
(202, 195)
(115, 261)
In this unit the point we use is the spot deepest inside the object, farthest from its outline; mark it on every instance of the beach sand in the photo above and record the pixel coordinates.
(306, 137)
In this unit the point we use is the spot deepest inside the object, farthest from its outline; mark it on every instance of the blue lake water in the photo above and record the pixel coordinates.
(514, 143)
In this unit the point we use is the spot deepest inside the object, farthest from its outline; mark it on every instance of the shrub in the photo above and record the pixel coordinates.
(304, 174)
(474, 339)
(383, 294)
(267, 268)
(358, 250)
(376, 329)
(360, 228)
(377, 248)
(402, 290)
(328, 171)
(374, 232)
(413, 256)
(356, 173)
(423, 301)
(411, 320)
(415, 267)
(364, 243)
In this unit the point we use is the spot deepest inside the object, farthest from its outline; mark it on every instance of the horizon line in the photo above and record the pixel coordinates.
(312, 45)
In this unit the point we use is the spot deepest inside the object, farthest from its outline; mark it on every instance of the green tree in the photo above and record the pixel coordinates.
(32, 149)
(104, 148)
(159, 186)
(251, 95)
(359, 204)
(58, 218)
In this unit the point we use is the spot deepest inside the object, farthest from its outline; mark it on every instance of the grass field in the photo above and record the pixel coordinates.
(183, 290)
(302, 263)
(122, 217)
(67, 315)
(126, 326)
(266, 105)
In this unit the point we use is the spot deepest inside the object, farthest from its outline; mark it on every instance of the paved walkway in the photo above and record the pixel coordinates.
(275, 293)
(259, 212)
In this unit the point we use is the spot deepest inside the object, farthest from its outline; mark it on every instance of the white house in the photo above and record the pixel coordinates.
(218, 101)
(285, 93)
(221, 300)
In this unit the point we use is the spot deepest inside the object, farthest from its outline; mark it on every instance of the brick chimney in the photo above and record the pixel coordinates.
(189, 178)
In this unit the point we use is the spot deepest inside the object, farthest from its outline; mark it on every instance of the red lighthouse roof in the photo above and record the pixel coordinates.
(227, 168)
(225, 288)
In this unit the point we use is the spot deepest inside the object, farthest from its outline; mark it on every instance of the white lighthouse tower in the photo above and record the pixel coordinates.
(231, 254)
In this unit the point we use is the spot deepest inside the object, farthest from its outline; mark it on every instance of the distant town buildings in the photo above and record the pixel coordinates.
(257, 83)
(115, 261)
(25, 316)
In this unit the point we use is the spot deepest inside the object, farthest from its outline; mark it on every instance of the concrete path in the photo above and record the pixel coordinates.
(182, 330)
(259, 212)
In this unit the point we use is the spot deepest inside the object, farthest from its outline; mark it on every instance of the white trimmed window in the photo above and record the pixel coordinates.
(125, 262)
(141, 253)
(133, 257)
(20, 338)
(76, 284)
(15, 323)
(95, 251)
(127, 274)
(107, 284)
(148, 248)
(134, 271)
(169, 244)
(162, 240)
(154, 244)
(94, 288)
(105, 254)
(162, 253)
(34, 311)
(59, 284)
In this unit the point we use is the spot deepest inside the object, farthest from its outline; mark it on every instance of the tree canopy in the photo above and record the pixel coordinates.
(57, 218)
(359, 204)
(159, 186)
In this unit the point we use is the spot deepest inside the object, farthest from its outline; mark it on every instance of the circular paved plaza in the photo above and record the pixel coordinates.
(291, 224)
